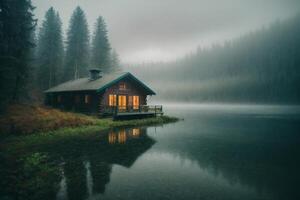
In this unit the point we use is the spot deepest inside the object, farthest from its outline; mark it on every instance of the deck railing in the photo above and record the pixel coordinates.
(156, 109)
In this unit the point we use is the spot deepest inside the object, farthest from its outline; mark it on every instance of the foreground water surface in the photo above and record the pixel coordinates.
(216, 152)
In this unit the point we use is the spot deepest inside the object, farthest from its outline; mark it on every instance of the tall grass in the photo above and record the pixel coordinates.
(26, 119)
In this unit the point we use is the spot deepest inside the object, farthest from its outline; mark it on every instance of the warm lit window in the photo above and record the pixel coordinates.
(112, 100)
(59, 99)
(136, 102)
(122, 102)
(87, 99)
(122, 86)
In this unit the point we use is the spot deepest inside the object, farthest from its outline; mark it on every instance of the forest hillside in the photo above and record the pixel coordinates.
(258, 67)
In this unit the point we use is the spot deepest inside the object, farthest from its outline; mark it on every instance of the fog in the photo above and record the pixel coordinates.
(208, 51)
(261, 66)
(143, 30)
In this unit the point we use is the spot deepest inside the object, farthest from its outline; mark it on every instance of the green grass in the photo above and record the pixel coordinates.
(29, 119)
(32, 131)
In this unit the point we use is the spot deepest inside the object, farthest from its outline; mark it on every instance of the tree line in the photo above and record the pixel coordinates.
(56, 64)
(32, 59)
(262, 66)
(17, 25)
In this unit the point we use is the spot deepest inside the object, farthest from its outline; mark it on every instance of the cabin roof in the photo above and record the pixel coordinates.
(98, 85)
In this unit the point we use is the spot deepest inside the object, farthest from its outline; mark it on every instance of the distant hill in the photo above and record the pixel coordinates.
(259, 67)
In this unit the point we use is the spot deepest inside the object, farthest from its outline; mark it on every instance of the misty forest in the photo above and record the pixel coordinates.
(139, 99)
(35, 59)
(258, 67)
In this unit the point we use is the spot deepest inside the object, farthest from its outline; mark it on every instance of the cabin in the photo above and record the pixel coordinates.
(121, 95)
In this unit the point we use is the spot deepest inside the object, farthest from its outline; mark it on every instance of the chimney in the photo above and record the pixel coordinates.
(95, 74)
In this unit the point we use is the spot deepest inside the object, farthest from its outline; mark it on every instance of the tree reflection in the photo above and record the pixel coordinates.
(87, 167)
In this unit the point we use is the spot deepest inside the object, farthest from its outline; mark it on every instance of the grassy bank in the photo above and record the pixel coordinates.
(37, 140)
(28, 119)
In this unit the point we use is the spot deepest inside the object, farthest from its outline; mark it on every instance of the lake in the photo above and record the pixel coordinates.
(216, 152)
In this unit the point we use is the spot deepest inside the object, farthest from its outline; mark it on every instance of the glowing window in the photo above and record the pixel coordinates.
(136, 102)
(112, 100)
(122, 102)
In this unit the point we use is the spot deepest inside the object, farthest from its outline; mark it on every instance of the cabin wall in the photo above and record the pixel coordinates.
(98, 102)
(131, 90)
(75, 101)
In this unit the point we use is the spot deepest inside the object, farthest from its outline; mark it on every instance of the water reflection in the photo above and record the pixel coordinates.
(120, 136)
(259, 153)
(87, 170)
(209, 155)
(62, 192)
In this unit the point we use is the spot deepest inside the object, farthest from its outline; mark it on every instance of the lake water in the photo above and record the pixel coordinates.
(216, 152)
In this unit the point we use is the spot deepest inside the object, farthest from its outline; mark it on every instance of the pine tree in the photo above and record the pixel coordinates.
(17, 25)
(50, 50)
(77, 53)
(101, 47)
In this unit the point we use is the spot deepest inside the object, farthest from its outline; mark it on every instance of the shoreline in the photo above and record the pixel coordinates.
(16, 143)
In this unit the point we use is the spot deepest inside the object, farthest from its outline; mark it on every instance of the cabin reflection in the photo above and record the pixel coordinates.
(86, 173)
(120, 137)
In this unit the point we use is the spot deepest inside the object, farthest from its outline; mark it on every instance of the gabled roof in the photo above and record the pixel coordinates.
(98, 85)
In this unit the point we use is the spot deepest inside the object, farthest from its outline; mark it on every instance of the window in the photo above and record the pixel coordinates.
(122, 86)
(122, 102)
(87, 99)
(77, 99)
(112, 100)
(136, 102)
(59, 99)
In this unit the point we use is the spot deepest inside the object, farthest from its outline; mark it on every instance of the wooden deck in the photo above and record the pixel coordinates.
(128, 112)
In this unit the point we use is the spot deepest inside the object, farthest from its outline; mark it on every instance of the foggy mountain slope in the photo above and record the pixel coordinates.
(261, 66)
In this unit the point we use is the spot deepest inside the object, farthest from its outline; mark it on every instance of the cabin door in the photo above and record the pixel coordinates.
(122, 104)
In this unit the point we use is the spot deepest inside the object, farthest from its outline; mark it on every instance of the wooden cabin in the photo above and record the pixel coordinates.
(109, 94)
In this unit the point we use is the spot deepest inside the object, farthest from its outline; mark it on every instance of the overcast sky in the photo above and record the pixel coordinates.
(163, 30)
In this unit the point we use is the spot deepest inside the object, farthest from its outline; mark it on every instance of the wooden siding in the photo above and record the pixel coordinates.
(131, 89)
(75, 101)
